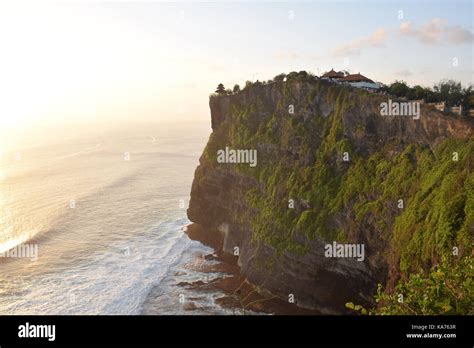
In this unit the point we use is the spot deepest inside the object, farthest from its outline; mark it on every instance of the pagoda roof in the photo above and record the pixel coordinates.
(334, 74)
(356, 78)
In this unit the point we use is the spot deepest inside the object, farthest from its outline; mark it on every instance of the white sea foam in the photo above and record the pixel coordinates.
(112, 282)
(120, 241)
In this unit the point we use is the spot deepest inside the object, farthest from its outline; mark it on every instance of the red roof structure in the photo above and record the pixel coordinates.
(356, 78)
(334, 74)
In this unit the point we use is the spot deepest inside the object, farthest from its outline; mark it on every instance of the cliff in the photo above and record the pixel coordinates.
(333, 170)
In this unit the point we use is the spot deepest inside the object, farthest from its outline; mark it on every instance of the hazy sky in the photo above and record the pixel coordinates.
(131, 61)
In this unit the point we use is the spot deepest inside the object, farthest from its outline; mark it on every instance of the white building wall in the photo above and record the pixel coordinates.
(364, 84)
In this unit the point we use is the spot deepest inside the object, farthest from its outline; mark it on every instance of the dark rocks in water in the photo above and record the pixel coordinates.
(210, 257)
(189, 306)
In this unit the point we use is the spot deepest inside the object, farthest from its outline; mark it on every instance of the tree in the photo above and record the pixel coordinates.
(236, 89)
(469, 96)
(303, 74)
(292, 76)
(449, 91)
(220, 89)
(418, 92)
(430, 96)
(279, 78)
(399, 89)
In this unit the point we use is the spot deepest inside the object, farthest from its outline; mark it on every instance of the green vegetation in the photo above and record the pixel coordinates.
(417, 200)
(365, 189)
(447, 289)
(447, 91)
(220, 89)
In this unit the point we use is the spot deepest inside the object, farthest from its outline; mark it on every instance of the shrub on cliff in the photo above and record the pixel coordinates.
(447, 289)
(279, 78)
(301, 76)
(300, 160)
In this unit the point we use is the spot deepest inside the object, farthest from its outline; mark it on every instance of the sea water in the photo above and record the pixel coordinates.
(106, 209)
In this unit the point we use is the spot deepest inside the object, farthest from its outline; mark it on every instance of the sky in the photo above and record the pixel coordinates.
(89, 61)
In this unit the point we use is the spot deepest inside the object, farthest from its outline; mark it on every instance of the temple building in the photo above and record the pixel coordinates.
(333, 75)
(355, 80)
(359, 81)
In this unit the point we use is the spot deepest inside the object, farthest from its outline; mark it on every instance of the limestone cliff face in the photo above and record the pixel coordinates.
(302, 195)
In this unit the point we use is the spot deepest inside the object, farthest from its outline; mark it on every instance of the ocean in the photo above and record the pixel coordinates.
(106, 210)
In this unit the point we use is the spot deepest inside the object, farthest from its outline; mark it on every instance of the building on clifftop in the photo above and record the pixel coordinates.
(359, 81)
(333, 75)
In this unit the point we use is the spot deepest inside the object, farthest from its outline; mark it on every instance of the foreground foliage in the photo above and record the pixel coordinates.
(447, 289)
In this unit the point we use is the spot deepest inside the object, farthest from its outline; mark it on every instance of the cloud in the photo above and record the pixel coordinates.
(459, 35)
(437, 31)
(406, 28)
(376, 39)
(433, 32)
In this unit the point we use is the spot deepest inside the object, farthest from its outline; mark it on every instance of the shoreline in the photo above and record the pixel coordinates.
(239, 294)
